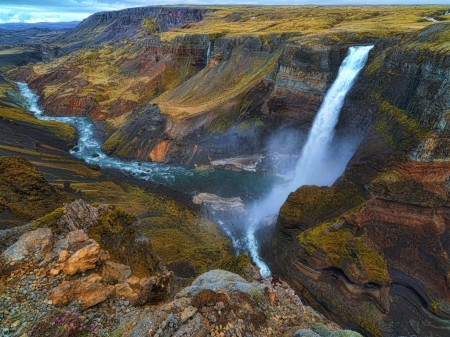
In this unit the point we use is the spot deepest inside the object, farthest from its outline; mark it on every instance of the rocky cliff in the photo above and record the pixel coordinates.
(127, 23)
(371, 250)
(58, 280)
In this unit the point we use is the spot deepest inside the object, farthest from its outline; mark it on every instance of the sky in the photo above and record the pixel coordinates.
(31, 11)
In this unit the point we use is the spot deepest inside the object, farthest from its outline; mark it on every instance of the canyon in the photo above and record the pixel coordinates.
(206, 89)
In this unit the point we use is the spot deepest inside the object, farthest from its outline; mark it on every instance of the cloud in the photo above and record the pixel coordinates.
(77, 10)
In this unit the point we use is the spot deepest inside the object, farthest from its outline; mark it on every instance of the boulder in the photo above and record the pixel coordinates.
(89, 293)
(224, 206)
(222, 286)
(113, 272)
(124, 290)
(32, 246)
(83, 259)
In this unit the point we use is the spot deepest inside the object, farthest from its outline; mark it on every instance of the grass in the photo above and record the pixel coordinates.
(176, 233)
(378, 21)
(235, 77)
(397, 129)
(9, 98)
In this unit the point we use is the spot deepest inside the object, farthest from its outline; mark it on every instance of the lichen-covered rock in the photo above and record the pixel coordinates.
(345, 333)
(222, 284)
(306, 333)
(89, 293)
(83, 259)
(32, 246)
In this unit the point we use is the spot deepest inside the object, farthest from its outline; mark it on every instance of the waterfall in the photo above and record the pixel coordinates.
(312, 167)
(208, 53)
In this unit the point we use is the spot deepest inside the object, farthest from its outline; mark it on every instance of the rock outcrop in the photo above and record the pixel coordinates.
(62, 282)
(370, 250)
(221, 303)
(226, 207)
(127, 23)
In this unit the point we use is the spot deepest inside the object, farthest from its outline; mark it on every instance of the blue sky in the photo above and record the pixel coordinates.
(76, 10)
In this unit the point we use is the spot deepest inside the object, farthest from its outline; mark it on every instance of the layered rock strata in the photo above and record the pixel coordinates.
(371, 250)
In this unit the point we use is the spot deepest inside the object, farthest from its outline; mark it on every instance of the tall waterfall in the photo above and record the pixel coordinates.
(312, 167)
(208, 53)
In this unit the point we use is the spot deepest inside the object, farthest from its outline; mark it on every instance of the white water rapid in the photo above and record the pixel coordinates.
(89, 148)
(312, 168)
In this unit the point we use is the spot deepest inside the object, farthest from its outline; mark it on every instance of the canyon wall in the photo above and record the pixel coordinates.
(372, 250)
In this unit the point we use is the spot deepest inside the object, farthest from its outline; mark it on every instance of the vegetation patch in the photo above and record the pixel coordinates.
(398, 130)
(347, 252)
(111, 223)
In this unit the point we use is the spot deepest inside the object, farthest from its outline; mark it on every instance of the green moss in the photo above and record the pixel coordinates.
(221, 123)
(342, 249)
(150, 25)
(397, 129)
(235, 265)
(389, 176)
(110, 223)
(48, 220)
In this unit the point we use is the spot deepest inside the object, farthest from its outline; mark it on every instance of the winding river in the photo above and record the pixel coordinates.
(263, 194)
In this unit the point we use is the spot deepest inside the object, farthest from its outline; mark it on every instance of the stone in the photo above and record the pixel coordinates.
(54, 271)
(225, 206)
(71, 242)
(188, 313)
(345, 333)
(94, 277)
(87, 294)
(113, 272)
(133, 280)
(32, 245)
(305, 333)
(82, 260)
(125, 291)
(220, 285)
(63, 255)
(15, 325)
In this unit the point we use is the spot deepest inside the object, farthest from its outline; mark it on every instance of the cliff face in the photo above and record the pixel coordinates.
(127, 23)
(371, 250)
(263, 90)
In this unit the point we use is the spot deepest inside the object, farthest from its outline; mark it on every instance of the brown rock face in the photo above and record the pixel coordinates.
(392, 250)
(89, 293)
(31, 246)
(83, 259)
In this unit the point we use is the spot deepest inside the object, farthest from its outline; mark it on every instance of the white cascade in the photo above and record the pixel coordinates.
(312, 168)
(208, 53)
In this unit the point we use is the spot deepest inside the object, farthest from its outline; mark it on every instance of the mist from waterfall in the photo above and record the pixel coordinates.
(317, 165)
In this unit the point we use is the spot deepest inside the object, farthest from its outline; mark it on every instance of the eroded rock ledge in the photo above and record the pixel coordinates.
(58, 274)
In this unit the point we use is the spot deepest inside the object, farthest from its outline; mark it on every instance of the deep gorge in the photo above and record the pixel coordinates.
(370, 250)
